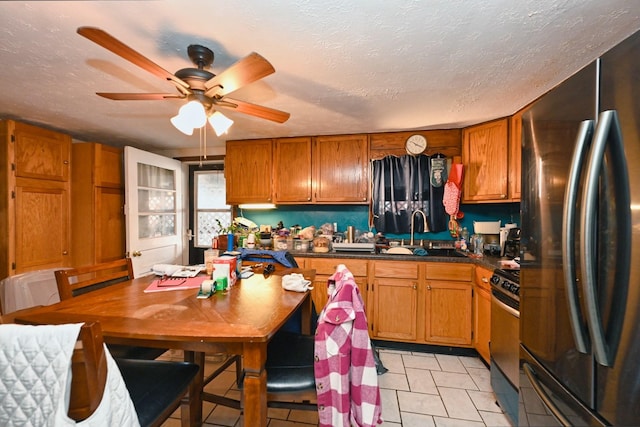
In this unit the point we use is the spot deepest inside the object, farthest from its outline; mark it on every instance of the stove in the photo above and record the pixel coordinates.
(505, 339)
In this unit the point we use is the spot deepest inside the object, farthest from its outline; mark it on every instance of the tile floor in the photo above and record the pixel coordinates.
(420, 390)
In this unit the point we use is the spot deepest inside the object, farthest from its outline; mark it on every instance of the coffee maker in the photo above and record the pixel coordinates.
(512, 244)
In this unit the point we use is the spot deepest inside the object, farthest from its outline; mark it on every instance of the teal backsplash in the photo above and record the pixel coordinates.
(358, 216)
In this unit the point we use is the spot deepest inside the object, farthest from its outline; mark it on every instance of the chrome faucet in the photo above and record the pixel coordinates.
(424, 217)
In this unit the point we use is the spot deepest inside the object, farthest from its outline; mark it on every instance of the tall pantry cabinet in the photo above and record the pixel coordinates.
(97, 204)
(34, 198)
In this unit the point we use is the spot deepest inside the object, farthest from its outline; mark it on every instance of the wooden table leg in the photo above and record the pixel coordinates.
(191, 409)
(255, 384)
(307, 308)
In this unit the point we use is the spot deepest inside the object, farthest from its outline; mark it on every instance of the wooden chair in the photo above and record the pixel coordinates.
(77, 281)
(290, 374)
(289, 365)
(89, 372)
(156, 387)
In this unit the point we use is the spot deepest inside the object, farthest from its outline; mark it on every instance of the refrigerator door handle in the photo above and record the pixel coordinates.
(583, 139)
(608, 129)
(555, 411)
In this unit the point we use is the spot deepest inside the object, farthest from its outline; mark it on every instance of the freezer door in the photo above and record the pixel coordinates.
(550, 131)
(618, 385)
(544, 401)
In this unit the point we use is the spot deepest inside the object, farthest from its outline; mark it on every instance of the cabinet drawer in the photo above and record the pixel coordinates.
(405, 270)
(483, 278)
(358, 267)
(449, 271)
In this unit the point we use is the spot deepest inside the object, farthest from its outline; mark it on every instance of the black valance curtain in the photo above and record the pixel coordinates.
(402, 185)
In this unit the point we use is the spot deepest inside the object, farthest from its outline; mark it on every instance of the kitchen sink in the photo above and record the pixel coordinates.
(445, 253)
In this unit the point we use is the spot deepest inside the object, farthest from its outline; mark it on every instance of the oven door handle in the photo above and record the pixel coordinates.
(585, 133)
(505, 307)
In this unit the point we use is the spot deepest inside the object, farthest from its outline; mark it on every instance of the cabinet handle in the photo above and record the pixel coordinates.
(66, 162)
(503, 196)
(485, 280)
(415, 287)
(137, 253)
(428, 287)
(65, 252)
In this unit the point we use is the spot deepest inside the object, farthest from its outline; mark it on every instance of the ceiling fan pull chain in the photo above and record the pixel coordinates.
(200, 146)
(205, 141)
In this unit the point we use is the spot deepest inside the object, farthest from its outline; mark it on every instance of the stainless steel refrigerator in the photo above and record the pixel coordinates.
(580, 247)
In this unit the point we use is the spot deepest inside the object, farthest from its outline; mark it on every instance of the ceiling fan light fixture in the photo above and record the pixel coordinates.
(193, 111)
(182, 124)
(190, 116)
(220, 123)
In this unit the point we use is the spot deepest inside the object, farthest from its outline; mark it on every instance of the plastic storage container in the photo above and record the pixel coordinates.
(300, 245)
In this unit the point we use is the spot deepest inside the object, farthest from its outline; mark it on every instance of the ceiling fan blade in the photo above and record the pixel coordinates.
(254, 110)
(114, 45)
(247, 70)
(138, 96)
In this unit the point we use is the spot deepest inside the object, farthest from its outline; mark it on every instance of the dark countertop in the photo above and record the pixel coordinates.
(490, 262)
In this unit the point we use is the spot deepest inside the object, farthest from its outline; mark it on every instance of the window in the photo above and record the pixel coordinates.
(209, 205)
(402, 185)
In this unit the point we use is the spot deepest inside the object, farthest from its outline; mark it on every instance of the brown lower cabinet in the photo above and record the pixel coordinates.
(395, 300)
(325, 267)
(482, 312)
(448, 295)
(407, 301)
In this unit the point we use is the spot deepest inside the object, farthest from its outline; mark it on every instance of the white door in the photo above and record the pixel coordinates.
(153, 210)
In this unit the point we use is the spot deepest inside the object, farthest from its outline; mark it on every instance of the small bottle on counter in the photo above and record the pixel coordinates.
(464, 239)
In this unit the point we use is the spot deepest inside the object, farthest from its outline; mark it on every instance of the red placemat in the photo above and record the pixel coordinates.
(175, 284)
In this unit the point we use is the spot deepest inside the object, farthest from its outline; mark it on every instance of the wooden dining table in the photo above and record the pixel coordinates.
(241, 320)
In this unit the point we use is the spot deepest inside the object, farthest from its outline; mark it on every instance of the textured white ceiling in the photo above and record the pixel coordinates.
(342, 66)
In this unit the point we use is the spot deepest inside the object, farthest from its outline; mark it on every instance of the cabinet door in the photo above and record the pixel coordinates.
(482, 312)
(341, 169)
(292, 170)
(482, 323)
(325, 267)
(247, 171)
(485, 159)
(41, 153)
(448, 312)
(108, 166)
(515, 156)
(110, 226)
(395, 307)
(42, 224)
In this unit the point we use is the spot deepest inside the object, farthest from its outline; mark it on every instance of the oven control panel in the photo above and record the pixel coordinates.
(508, 282)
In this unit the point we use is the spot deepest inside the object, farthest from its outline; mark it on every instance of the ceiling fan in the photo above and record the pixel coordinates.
(195, 84)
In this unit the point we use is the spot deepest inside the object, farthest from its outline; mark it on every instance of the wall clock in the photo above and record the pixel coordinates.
(416, 144)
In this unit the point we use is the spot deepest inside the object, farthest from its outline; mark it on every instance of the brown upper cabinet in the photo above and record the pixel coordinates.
(515, 153)
(341, 169)
(490, 155)
(34, 232)
(248, 171)
(324, 169)
(292, 170)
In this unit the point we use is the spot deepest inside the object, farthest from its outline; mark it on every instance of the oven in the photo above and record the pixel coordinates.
(505, 340)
